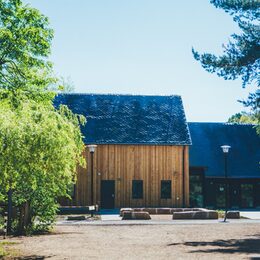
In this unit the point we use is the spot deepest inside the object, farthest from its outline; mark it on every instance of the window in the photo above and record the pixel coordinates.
(247, 198)
(137, 189)
(166, 189)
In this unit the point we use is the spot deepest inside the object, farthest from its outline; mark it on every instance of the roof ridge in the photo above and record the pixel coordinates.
(117, 94)
(223, 123)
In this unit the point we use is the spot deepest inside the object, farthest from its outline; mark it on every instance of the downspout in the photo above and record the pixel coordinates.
(183, 177)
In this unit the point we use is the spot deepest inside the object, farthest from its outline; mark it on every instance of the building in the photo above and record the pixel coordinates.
(142, 151)
(207, 178)
(144, 156)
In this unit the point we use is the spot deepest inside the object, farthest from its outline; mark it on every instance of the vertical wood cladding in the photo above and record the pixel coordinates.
(124, 163)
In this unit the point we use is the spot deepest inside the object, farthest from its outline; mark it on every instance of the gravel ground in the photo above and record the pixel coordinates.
(194, 241)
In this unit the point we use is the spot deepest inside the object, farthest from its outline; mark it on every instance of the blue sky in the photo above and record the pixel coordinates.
(144, 47)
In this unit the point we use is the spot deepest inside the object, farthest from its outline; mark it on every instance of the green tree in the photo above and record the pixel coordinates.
(67, 85)
(241, 55)
(62, 85)
(25, 39)
(40, 148)
(243, 117)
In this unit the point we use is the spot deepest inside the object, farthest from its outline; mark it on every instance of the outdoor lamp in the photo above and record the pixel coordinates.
(225, 149)
(92, 148)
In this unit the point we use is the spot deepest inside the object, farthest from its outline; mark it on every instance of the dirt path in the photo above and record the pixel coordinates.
(213, 241)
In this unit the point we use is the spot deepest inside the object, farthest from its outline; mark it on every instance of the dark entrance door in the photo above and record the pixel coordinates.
(107, 194)
(196, 187)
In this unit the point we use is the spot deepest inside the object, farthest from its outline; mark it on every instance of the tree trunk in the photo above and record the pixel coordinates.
(24, 218)
(27, 215)
(20, 228)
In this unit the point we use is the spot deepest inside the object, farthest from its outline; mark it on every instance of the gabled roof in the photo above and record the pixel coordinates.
(129, 119)
(243, 157)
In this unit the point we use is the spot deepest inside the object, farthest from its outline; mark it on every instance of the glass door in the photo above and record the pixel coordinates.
(247, 198)
(196, 191)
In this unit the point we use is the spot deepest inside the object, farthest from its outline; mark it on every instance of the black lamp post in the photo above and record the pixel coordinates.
(92, 148)
(225, 149)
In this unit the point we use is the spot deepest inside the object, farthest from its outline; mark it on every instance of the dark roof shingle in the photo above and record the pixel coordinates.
(244, 155)
(129, 119)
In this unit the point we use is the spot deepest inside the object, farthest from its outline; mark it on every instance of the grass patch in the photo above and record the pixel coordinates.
(2, 252)
(8, 243)
(7, 250)
(221, 213)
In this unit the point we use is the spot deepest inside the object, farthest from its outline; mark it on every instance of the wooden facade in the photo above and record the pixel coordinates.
(142, 154)
(121, 164)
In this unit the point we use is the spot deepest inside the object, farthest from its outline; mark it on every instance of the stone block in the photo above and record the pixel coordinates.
(136, 215)
(138, 209)
(233, 214)
(198, 209)
(176, 210)
(76, 218)
(207, 214)
(152, 211)
(164, 211)
(122, 210)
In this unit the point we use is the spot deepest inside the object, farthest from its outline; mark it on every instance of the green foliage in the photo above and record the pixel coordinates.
(25, 39)
(241, 56)
(39, 151)
(66, 85)
(40, 146)
(243, 118)
(221, 213)
(2, 251)
(253, 102)
(1, 218)
(248, 9)
(6, 250)
(246, 118)
(62, 85)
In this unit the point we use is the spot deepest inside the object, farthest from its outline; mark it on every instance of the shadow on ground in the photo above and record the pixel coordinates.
(32, 257)
(231, 246)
